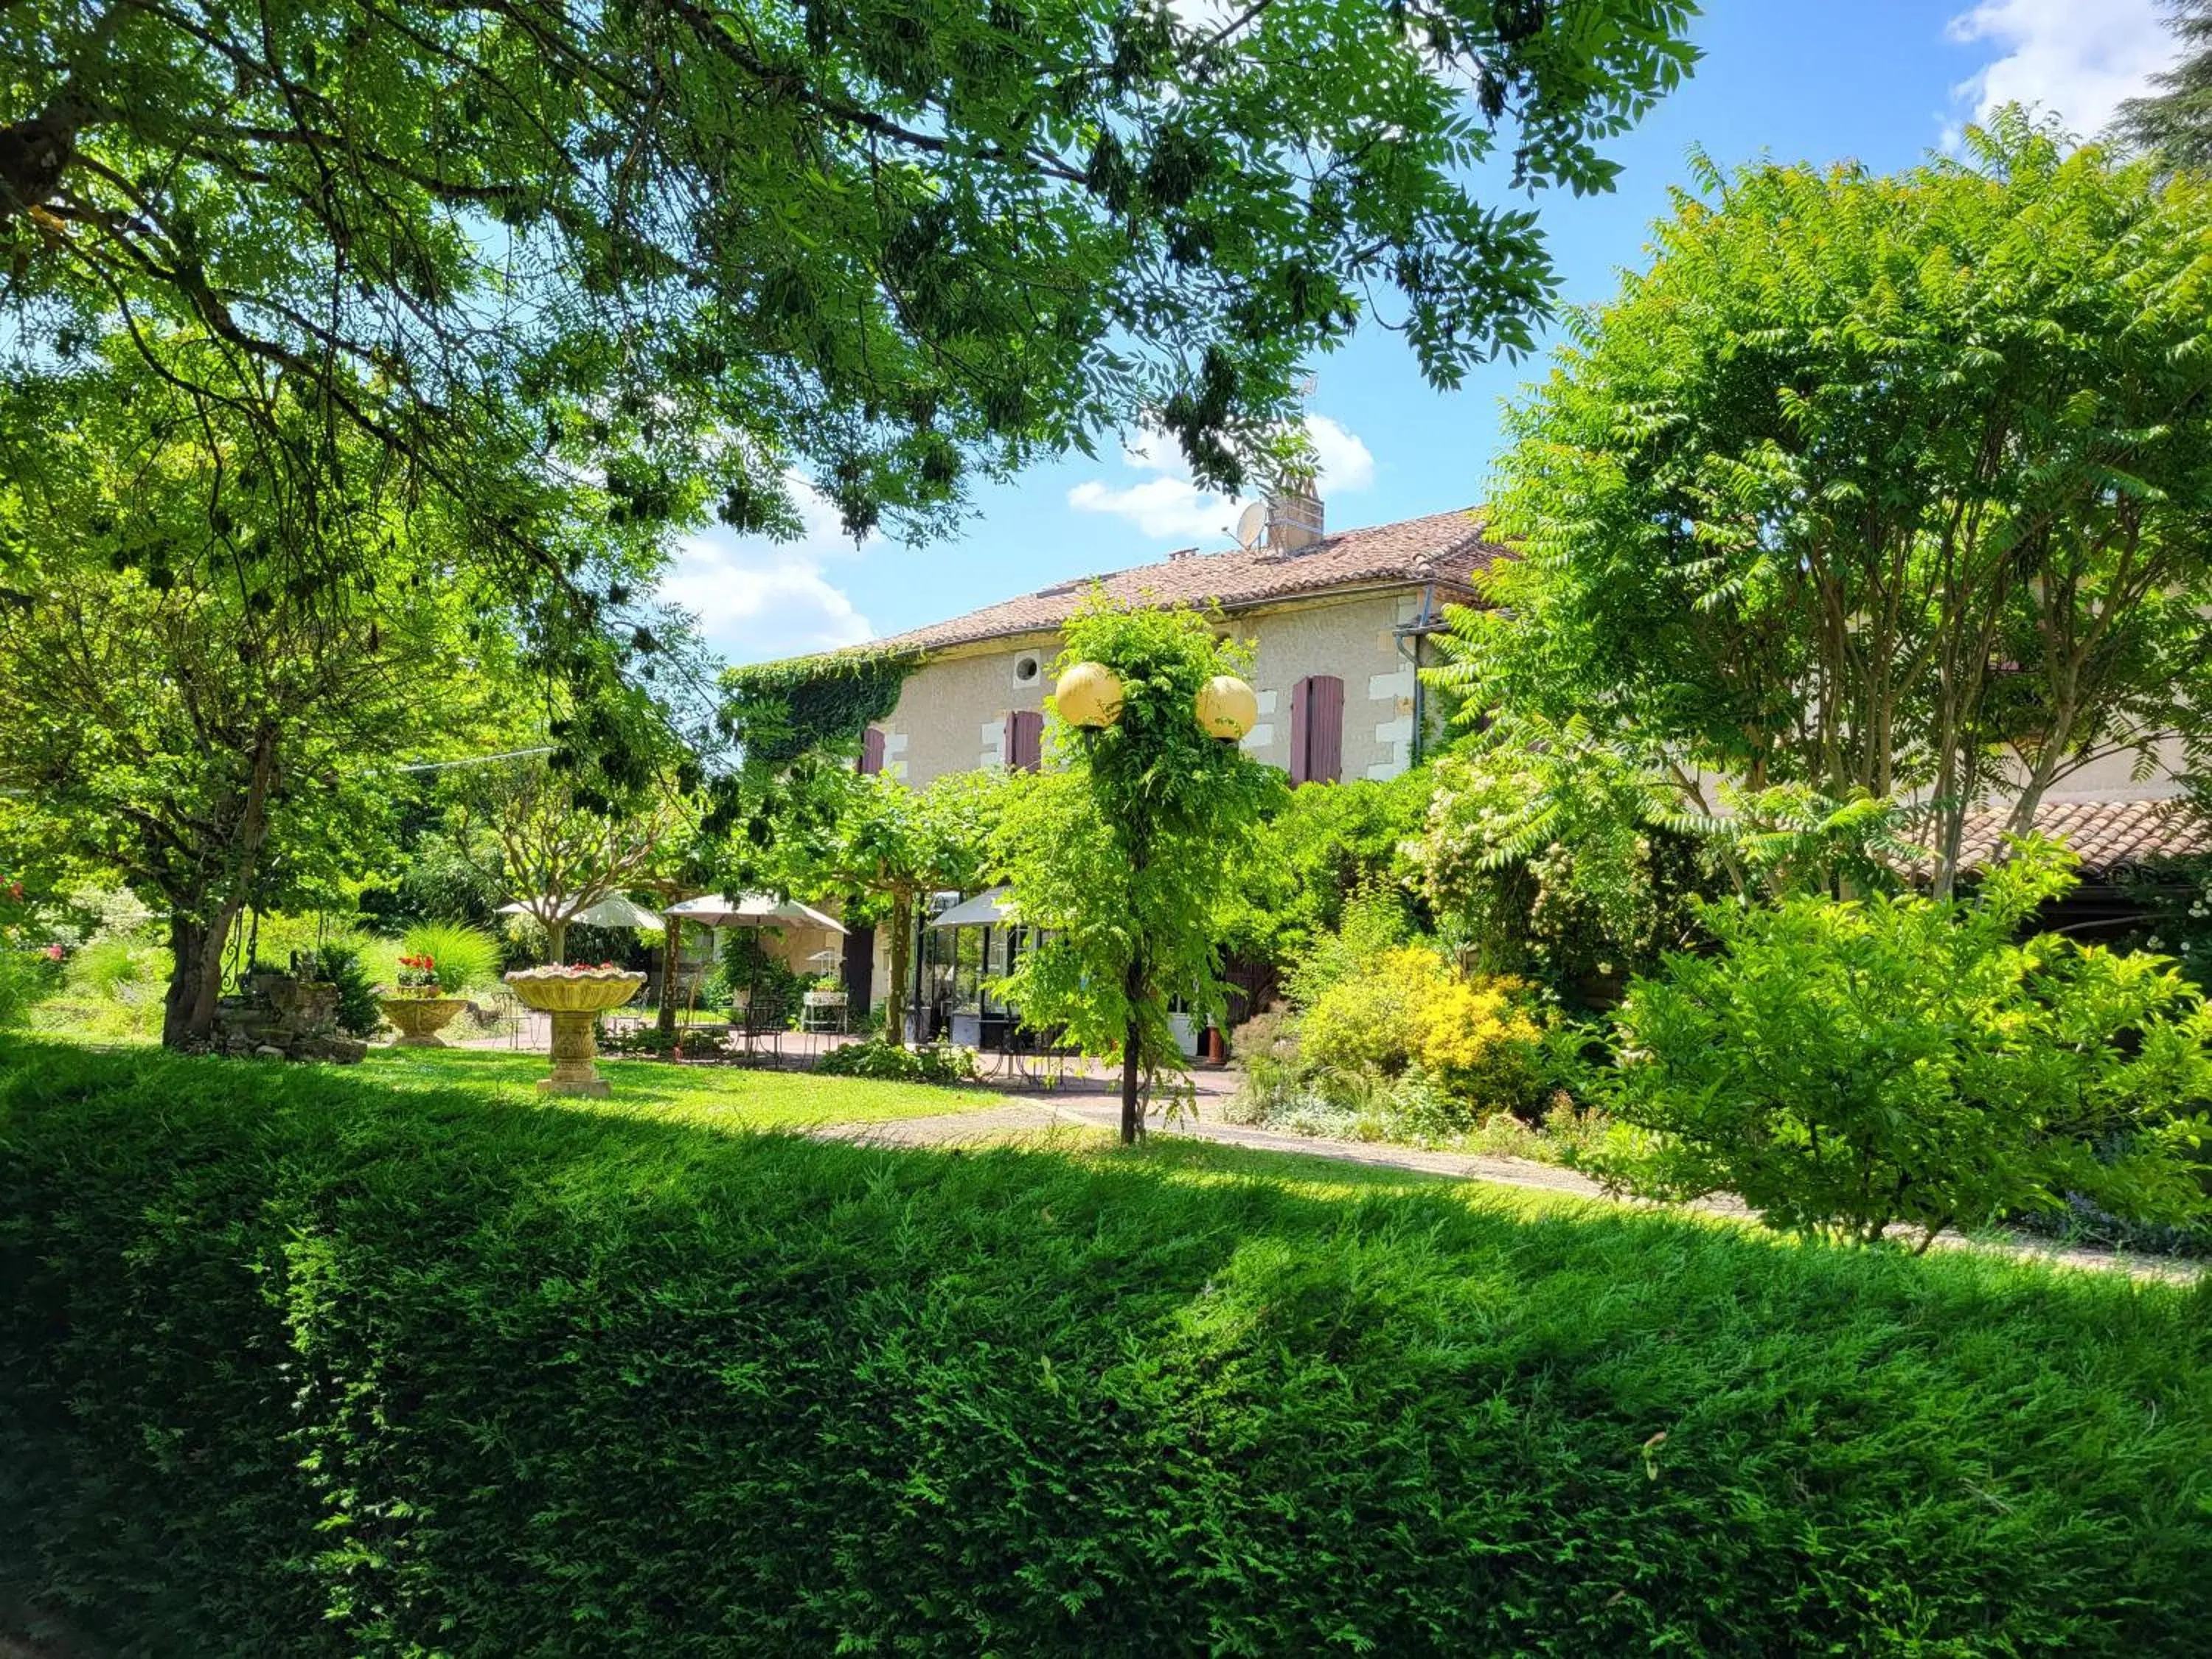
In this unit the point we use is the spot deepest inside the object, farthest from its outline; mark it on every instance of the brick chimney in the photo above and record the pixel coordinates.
(1294, 516)
(1183, 553)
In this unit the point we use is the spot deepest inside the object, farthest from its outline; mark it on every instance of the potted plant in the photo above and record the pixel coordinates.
(416, 1006)
(575, 995)
(825, 991)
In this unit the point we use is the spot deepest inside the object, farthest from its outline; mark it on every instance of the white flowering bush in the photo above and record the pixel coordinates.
(2176, 897)
(1556, 861)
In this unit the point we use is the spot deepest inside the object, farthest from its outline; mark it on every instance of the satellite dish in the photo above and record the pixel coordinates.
(1249, 523)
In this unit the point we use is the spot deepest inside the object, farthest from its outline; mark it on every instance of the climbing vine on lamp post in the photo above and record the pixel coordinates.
(1118, 852)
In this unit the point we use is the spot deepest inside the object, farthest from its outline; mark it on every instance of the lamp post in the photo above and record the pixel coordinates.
(1090, 697)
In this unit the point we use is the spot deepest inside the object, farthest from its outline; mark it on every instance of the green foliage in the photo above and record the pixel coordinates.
(775, 712)
(1787, 838)
(879, 848)
(28, 974)
(1551, 852)
(1018, 234)
(938, 1063)
(1407, 1008)
(195, 708)
(434, 883)
(558, 843)
(294, 1363)
(111, 991)
(342, 965)
(1846, 1067)
(467, 958)
(27, 979)
(1328, 842)
(2175, 895)
(748, 966)
(1121, 856)
(1373, 919)
(1886, 486)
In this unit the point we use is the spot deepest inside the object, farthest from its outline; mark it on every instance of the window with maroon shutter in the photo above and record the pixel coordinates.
(1025, 740)
(1317, 730)
(872, 752)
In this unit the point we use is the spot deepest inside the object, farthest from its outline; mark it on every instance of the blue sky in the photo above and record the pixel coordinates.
(1882, 80)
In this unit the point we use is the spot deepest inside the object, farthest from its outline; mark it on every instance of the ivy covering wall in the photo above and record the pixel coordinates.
(777, 712)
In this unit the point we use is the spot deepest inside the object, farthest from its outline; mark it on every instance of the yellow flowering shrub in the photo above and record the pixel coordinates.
(1409, 1007)
(1473, 1033)
(1369, 1019)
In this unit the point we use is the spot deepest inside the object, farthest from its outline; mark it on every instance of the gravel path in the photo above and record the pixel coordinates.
(1084, 1104)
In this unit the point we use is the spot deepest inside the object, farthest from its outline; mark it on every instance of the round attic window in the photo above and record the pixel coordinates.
(1027, 667)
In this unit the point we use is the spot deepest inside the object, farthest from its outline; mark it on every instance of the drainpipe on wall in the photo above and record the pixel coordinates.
(1409, 649)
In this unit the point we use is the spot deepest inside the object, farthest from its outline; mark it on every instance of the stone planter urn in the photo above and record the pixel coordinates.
(575, 997)
(420, 1018)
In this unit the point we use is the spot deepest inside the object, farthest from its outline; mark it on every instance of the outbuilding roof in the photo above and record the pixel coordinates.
(2105, 835)
(1447, 548)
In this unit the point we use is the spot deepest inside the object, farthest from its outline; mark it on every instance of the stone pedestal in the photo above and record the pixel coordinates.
(575, 1046)
(575, 1000)
(420, 1018)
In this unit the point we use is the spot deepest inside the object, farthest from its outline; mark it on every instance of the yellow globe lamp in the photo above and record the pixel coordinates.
(1088, 696)
(1227, 709)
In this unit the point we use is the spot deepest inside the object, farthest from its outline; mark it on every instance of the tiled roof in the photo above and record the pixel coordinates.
(1445, 548)
(2107, 834)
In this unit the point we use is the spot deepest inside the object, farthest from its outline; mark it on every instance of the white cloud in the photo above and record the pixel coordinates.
(756, 599)
(1347, 466)
(1170, 504)
(1160, 506)
(2072, 58)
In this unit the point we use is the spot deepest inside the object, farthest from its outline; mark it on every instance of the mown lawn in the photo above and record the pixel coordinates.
(705, 1096)
(386, 1361)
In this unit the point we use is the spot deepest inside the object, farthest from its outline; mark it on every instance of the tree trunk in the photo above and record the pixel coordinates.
(901, 950)
(195, 945)
(671, 955)
(1133, 1120)
(556, 942)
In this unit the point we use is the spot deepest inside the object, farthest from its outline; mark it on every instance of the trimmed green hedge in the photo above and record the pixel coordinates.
(290, 1364)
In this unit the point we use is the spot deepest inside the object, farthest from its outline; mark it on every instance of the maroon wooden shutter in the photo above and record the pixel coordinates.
(1325, 719)
(1025, 740)
(1317, 730)
(872, 752)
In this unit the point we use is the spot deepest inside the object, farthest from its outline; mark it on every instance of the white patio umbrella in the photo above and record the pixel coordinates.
(986, 909)
(613, 911)
(752, 910)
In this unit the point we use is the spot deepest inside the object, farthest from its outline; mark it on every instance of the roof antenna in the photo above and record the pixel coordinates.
(1249, 524)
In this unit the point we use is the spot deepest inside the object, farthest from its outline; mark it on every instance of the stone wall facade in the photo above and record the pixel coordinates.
(952, 711)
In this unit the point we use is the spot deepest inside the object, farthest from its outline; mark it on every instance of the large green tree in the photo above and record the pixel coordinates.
(191, 702)
(559, 853)
(1888, 486)
(883, 241)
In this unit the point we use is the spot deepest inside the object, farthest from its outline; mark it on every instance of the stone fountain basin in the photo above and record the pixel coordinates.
(421, 1019)
(592, 992)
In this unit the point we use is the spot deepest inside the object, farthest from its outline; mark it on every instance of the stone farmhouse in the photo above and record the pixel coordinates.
(1340, 625)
